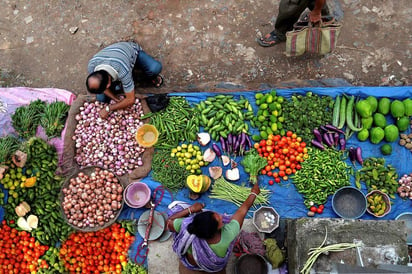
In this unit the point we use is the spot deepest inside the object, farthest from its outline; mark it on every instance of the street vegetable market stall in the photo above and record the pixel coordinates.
(307, 142)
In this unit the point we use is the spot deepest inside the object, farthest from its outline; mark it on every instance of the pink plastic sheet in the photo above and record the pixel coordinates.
(12, 98)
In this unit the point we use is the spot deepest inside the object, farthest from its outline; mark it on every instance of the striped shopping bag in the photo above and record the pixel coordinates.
(305, 37)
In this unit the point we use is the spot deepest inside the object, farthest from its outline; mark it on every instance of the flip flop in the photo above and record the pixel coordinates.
(269, 40)
(158, 81)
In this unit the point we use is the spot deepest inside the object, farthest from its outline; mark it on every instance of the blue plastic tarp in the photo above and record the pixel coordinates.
(285, 198)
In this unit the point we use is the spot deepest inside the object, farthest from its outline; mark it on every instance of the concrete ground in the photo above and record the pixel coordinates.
(202, 44)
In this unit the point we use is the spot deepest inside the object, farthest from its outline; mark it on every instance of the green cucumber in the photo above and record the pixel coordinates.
(342, 112)
(336, 108)
(349, 115)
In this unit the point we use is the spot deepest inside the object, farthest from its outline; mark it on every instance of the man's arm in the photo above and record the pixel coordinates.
(110, 94)
(126, 102)
(316, 14)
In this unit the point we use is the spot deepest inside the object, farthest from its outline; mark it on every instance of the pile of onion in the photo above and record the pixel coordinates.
(92, 201)
(109, 143)
(405, 188)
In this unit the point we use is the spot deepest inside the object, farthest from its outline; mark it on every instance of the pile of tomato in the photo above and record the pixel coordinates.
(284, 155)
(19, 251)
(95, 252)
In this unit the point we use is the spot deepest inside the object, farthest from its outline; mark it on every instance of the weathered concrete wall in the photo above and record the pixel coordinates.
(383, 242)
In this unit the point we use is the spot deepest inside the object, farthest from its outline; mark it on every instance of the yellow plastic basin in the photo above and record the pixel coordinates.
(147, 135)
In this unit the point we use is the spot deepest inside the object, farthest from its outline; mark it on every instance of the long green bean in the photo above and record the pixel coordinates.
(236, 194)
(315, 252)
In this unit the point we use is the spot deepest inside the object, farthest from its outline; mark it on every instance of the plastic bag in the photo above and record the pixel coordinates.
(157, 102)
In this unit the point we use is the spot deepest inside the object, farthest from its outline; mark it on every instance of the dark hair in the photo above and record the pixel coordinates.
(204, 225)
(101, 75)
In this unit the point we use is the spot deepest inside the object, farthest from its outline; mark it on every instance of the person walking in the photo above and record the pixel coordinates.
(289, 13)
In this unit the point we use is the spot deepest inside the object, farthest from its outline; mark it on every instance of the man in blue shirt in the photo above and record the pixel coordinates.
(113, 66)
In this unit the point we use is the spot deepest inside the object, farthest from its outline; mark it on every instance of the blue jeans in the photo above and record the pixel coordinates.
(144, 62)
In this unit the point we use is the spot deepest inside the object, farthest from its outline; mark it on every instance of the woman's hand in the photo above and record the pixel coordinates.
(196, 207)
(255, 189)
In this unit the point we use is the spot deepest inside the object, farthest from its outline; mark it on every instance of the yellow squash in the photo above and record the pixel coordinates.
(198, 183)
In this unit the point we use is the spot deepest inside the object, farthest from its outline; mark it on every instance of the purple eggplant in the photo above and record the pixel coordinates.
(327, 140)
(248, 141)
(217, 150)
(323, 129)
(318, 135)
(352, 155)
(242, 146)
(342, 143)
(223, 143)
(229, 139)
(331, 138)
(336, 138)
(358, 155)
(236, 144)
(334, 129)
(317, 144)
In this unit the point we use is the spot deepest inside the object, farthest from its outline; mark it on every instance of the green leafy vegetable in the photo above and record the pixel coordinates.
(8, 145)
(54, 117)
(252, 163)
(26, 119)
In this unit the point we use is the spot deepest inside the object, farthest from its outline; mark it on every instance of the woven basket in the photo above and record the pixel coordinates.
(87, 170)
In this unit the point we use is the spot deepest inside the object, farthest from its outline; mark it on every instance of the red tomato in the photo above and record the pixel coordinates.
(313, 209)
(319, 210)
(277, 180)
(271, 182)
(322, 207)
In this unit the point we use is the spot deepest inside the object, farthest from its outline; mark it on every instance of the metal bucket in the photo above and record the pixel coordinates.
(251, 264)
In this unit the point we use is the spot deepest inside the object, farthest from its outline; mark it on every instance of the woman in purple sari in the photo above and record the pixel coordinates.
(203, 240)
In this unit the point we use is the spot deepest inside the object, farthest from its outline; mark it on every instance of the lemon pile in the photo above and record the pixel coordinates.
(189, 156)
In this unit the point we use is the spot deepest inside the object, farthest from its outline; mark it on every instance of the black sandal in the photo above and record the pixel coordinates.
(158, 81)
(269, 40)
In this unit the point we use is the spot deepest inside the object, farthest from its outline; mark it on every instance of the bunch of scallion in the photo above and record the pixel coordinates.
(252, 163)
(8, 145)
(54, 117)
(236, 194)
(26, 119)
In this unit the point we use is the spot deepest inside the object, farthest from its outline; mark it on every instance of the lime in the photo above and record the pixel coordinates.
(269, 99)
(386, 149)
(258, 96)
(263, 106)
(280, 99)
(274, 127)
(263, 134)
